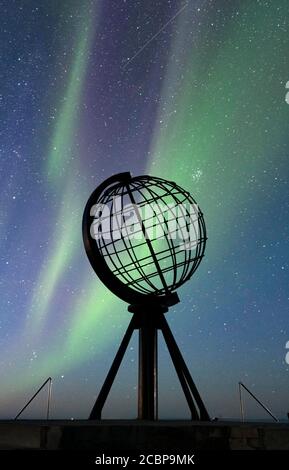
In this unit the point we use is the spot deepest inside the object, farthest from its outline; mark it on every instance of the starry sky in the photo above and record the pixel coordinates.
(192, 91)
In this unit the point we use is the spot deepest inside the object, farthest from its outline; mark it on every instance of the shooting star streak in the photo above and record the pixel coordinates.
(155, 36)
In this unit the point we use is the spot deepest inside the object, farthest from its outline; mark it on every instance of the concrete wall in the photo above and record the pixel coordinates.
(133, 436)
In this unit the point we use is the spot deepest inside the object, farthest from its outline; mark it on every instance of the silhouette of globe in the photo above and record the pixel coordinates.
(149, 232)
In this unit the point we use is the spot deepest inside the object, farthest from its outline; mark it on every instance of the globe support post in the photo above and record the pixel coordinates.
(148, 323)
(147, 382)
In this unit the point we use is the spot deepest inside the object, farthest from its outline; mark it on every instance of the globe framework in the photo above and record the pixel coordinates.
(150, 233)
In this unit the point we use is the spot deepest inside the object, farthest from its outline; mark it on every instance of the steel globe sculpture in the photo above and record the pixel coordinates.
(145, 237)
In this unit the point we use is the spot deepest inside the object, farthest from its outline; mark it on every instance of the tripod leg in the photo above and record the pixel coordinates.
(103, 394)
(184, 375)
(183, 382)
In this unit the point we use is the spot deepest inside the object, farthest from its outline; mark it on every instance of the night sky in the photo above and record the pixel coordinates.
(190, 91)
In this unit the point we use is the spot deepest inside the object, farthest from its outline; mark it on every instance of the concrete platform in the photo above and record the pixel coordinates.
(137, 436)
